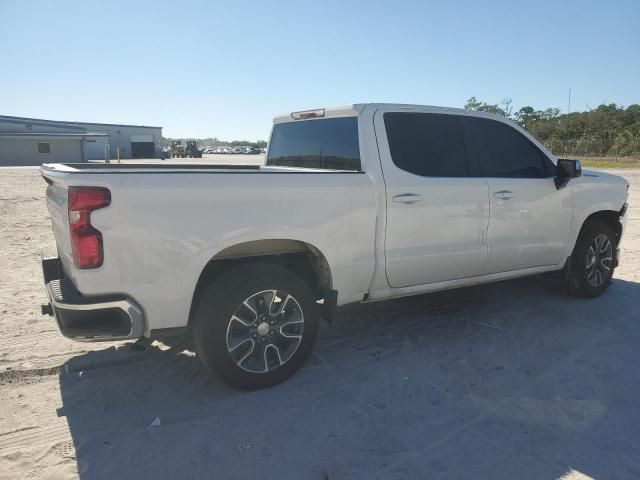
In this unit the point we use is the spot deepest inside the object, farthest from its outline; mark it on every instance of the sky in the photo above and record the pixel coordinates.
(226, 68)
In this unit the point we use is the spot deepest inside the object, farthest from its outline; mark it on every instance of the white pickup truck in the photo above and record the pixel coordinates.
(355, 204)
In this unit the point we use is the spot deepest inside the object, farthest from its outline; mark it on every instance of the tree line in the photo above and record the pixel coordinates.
(607, 130)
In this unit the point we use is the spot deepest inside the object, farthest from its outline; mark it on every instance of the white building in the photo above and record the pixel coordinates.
(31, 141)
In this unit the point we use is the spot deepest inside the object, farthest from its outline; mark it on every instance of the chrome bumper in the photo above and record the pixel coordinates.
(89, 318)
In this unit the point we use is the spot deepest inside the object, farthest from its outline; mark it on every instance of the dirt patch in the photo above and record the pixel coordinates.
(512, 380)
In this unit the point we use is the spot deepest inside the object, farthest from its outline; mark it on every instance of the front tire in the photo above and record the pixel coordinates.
(256, 325)
(592, 261)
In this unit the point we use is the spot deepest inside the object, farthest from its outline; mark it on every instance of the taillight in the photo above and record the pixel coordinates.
(86, 241)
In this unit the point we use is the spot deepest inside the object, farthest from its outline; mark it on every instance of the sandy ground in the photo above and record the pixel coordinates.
(512, 380)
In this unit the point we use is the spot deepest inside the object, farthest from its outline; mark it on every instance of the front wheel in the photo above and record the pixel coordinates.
(256, 325)
(592, 261)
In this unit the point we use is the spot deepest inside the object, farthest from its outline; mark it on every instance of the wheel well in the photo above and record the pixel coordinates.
(609, 217)
(303, 259)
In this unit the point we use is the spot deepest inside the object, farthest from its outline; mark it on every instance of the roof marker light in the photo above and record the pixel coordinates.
(306, 114)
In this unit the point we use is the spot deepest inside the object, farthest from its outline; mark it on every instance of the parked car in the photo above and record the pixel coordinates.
(355, 204)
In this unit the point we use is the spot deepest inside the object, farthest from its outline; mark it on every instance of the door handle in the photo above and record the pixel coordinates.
(408, 198)
(503, 195)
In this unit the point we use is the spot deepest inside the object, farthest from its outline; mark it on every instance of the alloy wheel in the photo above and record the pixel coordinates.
(598, 262)
(265, 331)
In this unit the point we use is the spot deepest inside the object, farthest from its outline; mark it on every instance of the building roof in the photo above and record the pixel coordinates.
(41, 121)
(51, 135)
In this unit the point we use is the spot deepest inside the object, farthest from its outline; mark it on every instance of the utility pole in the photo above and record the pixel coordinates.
(569, 107)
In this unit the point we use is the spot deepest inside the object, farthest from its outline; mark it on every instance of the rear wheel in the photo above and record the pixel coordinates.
(592, 261)
(256, 325)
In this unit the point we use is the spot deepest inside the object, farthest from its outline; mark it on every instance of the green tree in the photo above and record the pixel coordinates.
(526, 115)
(605, 130)
(505, 109)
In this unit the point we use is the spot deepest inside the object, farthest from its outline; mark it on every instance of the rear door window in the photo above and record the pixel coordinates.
(330, 143)
(502, 151)
(426, 144)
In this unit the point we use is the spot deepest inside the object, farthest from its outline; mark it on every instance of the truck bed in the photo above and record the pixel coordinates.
(110, 168)
(166, 222)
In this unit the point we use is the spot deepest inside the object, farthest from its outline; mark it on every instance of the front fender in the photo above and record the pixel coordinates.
(593, 193)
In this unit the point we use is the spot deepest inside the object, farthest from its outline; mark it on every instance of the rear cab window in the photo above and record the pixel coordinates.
(328, 143)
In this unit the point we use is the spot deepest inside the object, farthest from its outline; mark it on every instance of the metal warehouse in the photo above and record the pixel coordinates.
(32, 141)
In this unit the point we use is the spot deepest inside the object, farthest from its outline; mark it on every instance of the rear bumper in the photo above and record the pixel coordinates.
(89, 318)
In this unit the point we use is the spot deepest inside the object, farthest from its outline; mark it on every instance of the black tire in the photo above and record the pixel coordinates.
(581, 277)
(224, 298)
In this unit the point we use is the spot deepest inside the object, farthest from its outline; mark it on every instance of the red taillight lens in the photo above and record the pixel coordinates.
(86, 241)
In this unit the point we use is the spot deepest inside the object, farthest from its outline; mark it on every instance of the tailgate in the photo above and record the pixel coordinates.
(57, 206)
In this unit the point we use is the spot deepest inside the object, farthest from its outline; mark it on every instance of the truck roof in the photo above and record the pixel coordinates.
(356, 108)
(343, 111)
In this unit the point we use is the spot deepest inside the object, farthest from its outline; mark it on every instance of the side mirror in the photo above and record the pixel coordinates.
(566, 170)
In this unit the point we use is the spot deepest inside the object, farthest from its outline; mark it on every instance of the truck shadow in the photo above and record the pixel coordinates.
(510, 380)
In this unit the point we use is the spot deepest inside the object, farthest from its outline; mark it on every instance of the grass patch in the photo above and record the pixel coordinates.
(608, 164)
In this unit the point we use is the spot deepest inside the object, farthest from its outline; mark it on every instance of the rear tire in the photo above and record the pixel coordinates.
(592, 261)
(256, 325)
